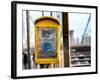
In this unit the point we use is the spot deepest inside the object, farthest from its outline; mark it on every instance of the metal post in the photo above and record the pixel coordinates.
(28, 39)
(51, 13)
(42, 13)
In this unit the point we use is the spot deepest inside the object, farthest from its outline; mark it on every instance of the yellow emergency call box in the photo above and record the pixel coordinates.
(47, 40)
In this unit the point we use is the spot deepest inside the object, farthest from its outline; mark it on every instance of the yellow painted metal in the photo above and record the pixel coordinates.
(47, 22)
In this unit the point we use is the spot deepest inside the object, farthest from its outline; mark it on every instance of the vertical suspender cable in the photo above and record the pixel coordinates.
(28, 39)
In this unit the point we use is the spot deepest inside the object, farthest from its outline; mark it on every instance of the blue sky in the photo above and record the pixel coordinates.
(78, 22)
